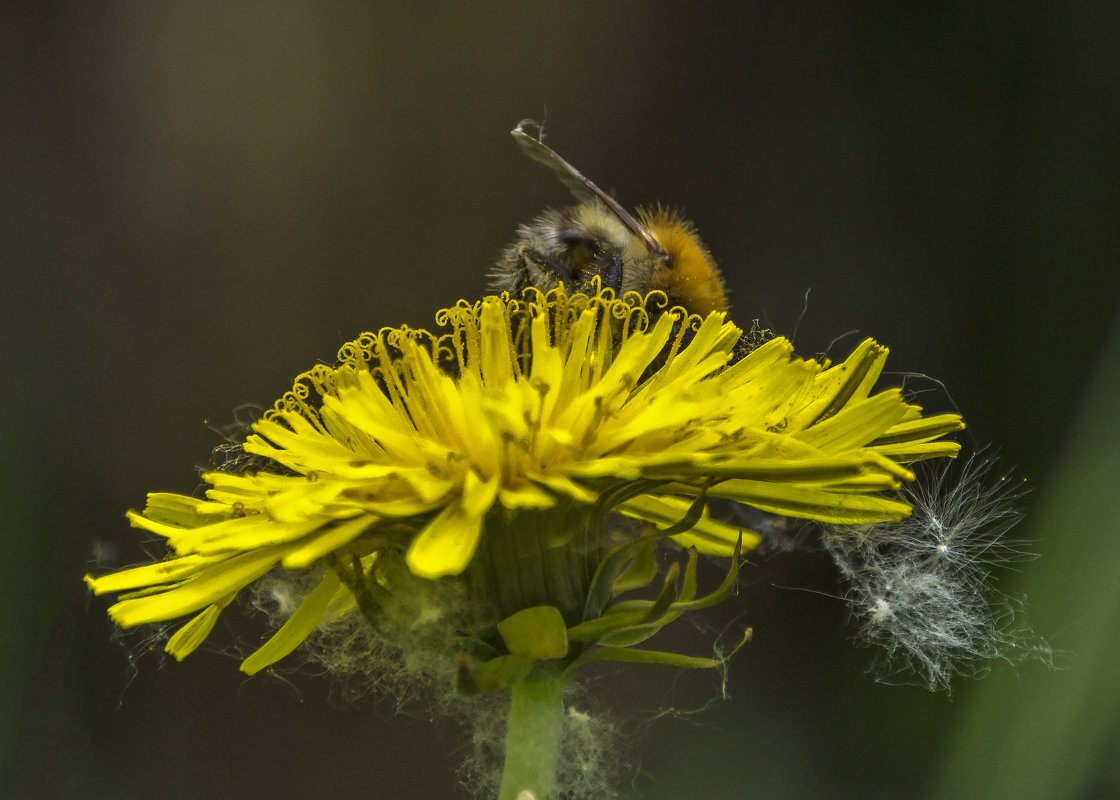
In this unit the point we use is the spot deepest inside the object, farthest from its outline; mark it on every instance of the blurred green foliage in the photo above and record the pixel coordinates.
(1040, 734)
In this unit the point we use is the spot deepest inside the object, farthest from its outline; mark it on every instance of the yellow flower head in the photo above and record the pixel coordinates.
(414, 443)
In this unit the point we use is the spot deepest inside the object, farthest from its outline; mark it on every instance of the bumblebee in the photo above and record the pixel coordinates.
(657, 249)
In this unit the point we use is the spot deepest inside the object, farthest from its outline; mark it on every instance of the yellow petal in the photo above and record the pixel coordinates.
(212, 582)
(446, 545)
(856, 425)
(921, 429)
(187, 639)
(181, 511)
(297, 627)
(709, 535)
(806, 502)
(170, 571)
(326, 541)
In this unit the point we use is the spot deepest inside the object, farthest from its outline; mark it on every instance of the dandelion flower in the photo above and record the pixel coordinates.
(551, 407)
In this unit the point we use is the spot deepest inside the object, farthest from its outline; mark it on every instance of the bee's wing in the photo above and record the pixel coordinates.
(580, 186)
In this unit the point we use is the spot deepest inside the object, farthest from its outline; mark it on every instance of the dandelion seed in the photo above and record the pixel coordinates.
(920, 588)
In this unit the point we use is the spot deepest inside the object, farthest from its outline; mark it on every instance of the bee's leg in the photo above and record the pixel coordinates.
(612, 275)
(537, 270)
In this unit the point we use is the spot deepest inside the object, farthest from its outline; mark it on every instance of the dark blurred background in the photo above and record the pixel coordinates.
(200, 200)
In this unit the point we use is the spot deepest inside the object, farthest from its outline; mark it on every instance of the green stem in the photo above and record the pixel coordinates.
(533, 732)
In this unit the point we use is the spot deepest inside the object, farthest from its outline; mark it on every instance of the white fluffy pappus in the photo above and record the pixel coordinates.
(922, 588)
